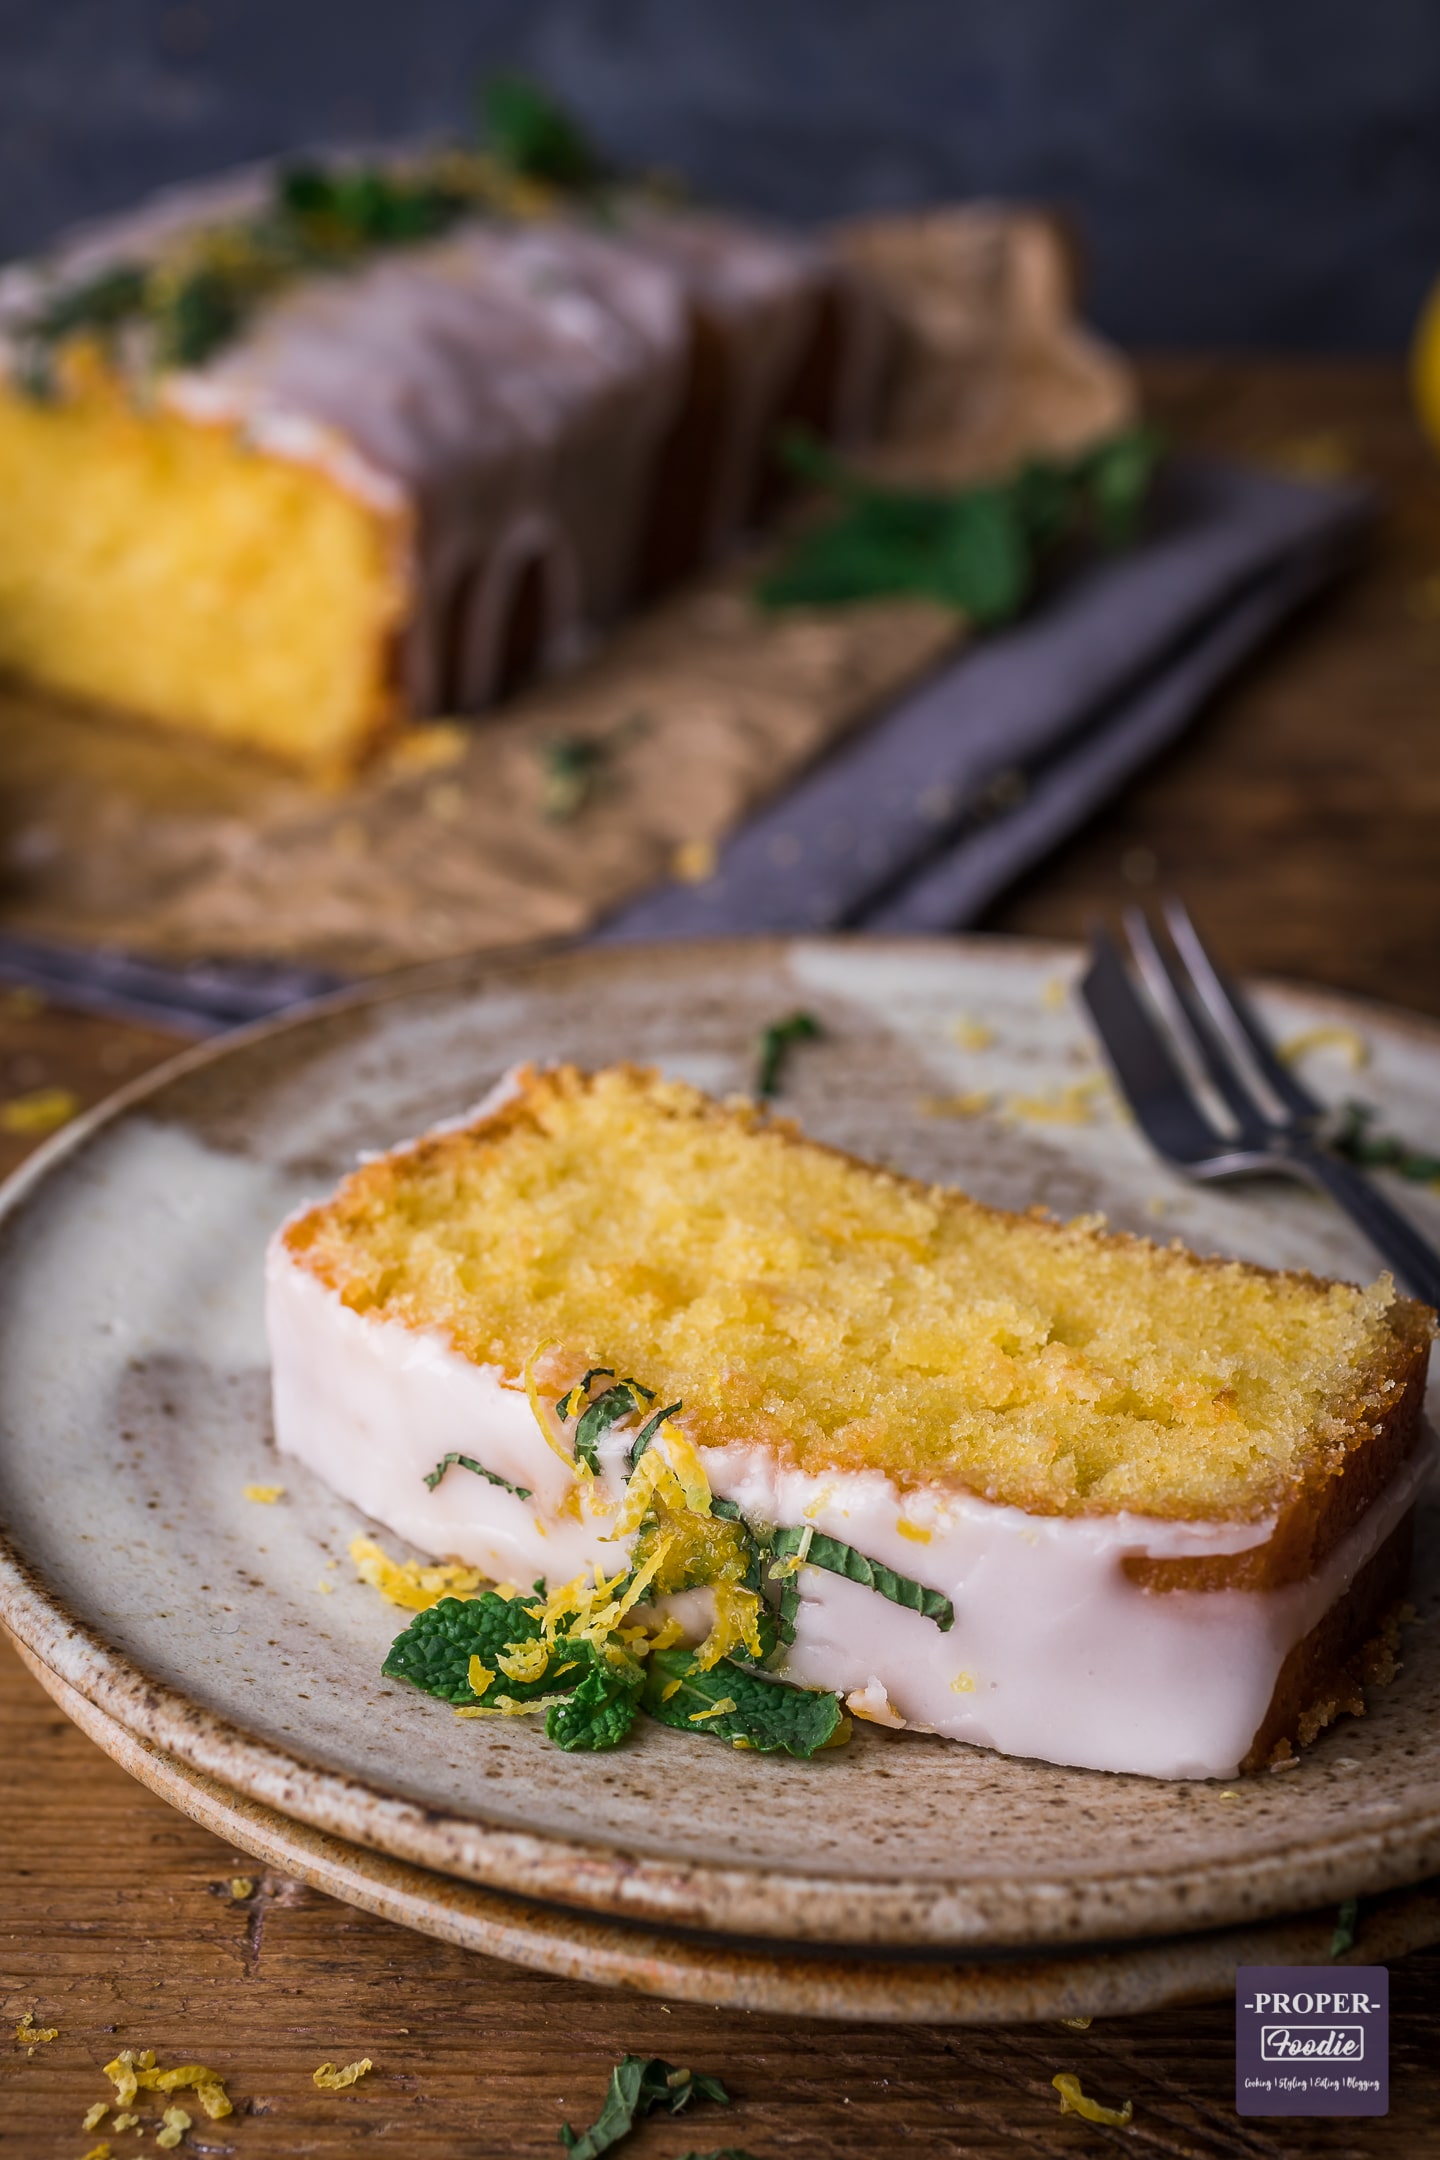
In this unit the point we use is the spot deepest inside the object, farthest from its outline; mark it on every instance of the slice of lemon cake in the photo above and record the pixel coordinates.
(1058, 1492)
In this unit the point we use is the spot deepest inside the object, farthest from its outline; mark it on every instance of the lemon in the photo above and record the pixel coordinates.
(1425, 366)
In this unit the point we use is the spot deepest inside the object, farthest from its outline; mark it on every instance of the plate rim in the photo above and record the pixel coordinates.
(1107, 1980)
(609, 1877)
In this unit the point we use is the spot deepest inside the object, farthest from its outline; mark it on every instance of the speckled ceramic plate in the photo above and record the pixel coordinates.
(980, 1989)
(133, 1409)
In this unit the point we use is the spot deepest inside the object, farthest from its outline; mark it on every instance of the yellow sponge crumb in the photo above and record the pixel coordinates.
(176, 2122)
(265, 1495)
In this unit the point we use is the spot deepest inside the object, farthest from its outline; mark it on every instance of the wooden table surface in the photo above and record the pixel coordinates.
(1302, 818)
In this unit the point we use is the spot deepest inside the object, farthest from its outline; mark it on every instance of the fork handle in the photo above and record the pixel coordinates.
(1413, 1258)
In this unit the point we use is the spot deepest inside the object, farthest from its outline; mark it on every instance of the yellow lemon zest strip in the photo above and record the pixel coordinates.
(1346, 1039)
(1074, 2102)
(719, 1709)
(537, 1411)
(329, 2079)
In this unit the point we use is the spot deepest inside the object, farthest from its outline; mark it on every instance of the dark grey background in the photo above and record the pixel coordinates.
(1246, 172)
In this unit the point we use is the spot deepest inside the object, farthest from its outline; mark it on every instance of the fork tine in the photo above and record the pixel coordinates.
(1150, 1079)
(1232, 1018)
(1174, 995)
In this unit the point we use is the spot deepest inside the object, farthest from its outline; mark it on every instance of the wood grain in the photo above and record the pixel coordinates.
(1302, 817)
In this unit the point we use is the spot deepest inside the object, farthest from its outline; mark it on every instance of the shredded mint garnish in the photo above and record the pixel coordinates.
(978, 549)
(649, 1429)
(468, 1462)
(833, 1554)
(202, 289)
(620, 1401)
(775, 1044)
(639, 2085)
(767, 1715)
(1359, 1143)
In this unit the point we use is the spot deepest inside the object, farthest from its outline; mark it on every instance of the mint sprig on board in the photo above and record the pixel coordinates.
(978, 549)
(638, 2086)
(813, 1549)
(454, 1460)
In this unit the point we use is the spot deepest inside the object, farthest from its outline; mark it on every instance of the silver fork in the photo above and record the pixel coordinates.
(1209, 1091)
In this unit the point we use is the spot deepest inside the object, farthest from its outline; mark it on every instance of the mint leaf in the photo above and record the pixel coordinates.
(649, 1429)
(769, 1715)
(638, 2085)
(532, 134)
(839, 1558)
(434, 1652)
(775, 1043)
(598, 1713)
(468, 1462)
(978, 549)
(617, 1402)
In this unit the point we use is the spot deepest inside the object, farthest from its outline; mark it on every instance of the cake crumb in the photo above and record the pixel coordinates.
(94, 2115)
(1078, 2024)
(873, 1705)
(242, 1887)
(264, 1495)
(30, 2035)
(177, 2122)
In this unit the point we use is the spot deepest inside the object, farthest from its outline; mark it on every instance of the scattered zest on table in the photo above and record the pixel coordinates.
(638, 2085)
(30, 2035)
(331, 2079)
(134, 2070)
(1074, 2102)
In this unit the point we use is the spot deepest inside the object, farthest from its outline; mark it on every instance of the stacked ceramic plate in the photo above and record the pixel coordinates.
(223, 1651)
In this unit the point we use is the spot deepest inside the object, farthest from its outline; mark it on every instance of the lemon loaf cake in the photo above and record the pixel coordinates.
(293, 454)
(1056, 1491)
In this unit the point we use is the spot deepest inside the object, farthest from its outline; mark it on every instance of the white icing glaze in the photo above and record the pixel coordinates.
(502, 392)
(1066, 1657)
